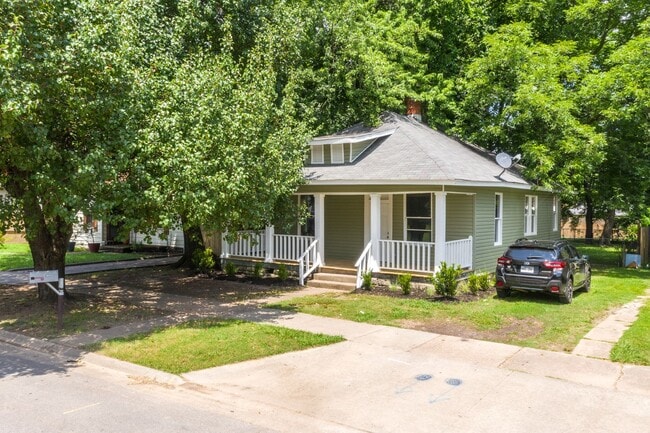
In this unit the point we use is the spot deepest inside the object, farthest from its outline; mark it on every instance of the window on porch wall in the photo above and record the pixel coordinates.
(530, 215)
(307, 228)
(555, 213)
(418, 217)
(498, 218)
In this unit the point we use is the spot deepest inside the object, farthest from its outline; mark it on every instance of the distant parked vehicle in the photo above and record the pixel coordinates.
(553, 267)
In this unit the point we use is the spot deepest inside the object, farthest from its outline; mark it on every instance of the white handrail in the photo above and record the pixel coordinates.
(459, 252)
(311, 255)
(363, 264)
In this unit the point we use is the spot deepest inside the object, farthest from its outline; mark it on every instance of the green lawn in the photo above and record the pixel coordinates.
(210, 343)
(525, 319)
(18, 256)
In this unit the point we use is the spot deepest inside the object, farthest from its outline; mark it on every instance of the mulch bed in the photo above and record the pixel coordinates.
(426, 292)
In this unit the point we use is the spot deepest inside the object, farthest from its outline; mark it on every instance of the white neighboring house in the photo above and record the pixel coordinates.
(97, 231)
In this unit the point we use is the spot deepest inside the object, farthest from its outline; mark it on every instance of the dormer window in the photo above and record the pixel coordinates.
(317, 154)
(338, 157)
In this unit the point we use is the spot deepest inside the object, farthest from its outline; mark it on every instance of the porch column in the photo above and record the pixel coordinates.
(319, 224)
(225, 246)
(375, 229)
(441, 229)
(269, 233)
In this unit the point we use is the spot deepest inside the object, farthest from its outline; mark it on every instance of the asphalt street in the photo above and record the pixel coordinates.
(42, 392)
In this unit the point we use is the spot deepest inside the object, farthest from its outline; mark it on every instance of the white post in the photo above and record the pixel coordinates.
(225, 246)
(375, 230)
(440, 254)
(269, 234)
(319, 224)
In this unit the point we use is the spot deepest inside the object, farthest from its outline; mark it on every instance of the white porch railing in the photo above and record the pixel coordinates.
(407, 255)
(363, 264)
(248, 244)
(459, 252)
(290, 247)
(414, 256)
(308, 262)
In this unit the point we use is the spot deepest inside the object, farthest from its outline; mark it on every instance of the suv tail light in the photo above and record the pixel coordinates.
(504, 261)
(554, 264)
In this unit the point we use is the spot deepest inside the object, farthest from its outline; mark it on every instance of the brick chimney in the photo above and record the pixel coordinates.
(414, 109)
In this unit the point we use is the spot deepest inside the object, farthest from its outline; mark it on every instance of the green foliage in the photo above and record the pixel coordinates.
(230, 269)
(445, 281)
(479, 282)
(366, 280)
(190, 346)
(404, 282)
(258, 270)
(203, 260)
(283, 273)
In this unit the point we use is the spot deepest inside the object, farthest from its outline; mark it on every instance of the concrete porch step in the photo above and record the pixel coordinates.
(333, 280)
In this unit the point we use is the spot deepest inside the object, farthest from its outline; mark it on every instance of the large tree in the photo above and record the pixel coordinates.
(64, 118)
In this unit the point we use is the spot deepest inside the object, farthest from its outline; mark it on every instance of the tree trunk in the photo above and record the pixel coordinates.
(48, 244)
(606, 237)
(193, 241)
(589, 219)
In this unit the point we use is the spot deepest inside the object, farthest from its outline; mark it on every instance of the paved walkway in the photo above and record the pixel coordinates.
(21, 277)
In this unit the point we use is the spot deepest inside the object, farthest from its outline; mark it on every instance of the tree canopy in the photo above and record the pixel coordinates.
(156, 112)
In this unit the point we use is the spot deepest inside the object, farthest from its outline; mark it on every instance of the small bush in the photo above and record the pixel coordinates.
(485, 281)
(282, 271)
(404, 282)
(258, 270)
(473, 283)
(445, 281)
(230, 269)
(367, 280)
(204, 260)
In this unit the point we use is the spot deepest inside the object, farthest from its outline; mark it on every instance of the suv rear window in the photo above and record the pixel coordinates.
(530, 254)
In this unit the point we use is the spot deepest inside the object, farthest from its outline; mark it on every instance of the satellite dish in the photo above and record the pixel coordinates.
(504, 160)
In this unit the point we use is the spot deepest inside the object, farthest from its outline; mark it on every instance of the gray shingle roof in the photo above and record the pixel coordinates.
(413, 153)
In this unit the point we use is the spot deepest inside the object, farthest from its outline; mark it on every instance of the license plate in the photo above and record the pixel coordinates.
(527, 270)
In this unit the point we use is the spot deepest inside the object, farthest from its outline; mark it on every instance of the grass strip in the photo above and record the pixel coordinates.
(18, 256)
(201, 344)
(634, 346)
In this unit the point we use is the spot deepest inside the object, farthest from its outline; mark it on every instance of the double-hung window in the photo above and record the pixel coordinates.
(530, 215)
(498, 218)
(336, 153)
(418, 217)
(317, 154)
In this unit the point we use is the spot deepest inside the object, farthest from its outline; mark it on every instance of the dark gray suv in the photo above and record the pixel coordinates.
(543, 266)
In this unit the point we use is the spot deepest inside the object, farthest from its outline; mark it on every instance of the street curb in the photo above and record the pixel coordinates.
(40, 345)
(133, 371)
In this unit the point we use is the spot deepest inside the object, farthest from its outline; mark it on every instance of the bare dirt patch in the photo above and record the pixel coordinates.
(514, 330)
(108, 299)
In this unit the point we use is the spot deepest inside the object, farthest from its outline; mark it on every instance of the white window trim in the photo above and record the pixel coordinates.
(555, 211)
(530, 215)
(498, 221)
(337, 153)
(406, 217)
(317, 154)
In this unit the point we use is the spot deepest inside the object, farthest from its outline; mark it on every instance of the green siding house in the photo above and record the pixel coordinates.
(404, 197)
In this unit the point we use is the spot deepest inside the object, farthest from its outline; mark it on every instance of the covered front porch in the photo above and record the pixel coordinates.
(397, 232)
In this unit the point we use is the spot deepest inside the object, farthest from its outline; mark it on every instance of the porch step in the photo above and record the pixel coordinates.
(330, 280)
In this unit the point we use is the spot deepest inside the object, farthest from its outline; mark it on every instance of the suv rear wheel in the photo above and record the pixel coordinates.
(503, 293)
(567, 296)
